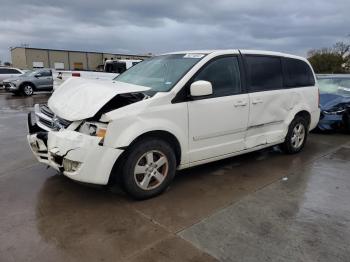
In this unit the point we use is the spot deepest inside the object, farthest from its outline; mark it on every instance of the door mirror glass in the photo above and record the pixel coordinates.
(201, 88)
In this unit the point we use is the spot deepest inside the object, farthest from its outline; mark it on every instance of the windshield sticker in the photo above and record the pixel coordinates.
(193, 55)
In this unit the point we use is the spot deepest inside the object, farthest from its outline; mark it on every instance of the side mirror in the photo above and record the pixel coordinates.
(201, 88)
(37, 75)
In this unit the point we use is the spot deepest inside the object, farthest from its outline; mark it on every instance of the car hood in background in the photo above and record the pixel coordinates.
(329, 101)
(78, 98)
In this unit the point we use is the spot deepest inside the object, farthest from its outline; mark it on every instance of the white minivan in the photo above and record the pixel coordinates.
(175, 111)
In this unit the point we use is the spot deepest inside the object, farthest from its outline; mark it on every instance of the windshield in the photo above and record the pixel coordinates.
(29, 73)
(160, 73)
(339, 86)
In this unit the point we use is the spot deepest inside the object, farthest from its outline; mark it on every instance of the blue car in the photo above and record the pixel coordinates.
(334, 102)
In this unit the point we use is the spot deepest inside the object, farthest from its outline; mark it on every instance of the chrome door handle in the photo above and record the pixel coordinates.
(257, 101)
(240, 103)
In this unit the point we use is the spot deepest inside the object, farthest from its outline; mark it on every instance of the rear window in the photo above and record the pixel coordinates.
(264, 73)
(297, 73)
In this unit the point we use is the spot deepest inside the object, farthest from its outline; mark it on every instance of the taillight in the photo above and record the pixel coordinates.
(77, 74)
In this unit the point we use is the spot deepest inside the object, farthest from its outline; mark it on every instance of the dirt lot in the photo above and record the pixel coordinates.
(263, 206)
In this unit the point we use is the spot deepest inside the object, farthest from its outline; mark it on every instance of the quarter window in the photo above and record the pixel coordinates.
(264, 73)
(224, 75)
(297, 73)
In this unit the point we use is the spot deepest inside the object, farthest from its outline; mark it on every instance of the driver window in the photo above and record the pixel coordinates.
(224, 75)
(45, 73)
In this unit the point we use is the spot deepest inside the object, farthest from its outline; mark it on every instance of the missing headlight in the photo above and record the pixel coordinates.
(93, 129)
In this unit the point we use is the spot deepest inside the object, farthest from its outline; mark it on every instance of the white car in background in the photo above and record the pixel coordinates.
(112, 68)
(9, 72)
(172, 112)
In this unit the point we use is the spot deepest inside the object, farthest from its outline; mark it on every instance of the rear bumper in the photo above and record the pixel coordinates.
(61, 149)
(315, 117)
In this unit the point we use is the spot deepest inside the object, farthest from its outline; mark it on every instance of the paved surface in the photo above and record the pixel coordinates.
(263, 206)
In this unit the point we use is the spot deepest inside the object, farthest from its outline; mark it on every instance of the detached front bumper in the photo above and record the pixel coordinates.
(77, 156)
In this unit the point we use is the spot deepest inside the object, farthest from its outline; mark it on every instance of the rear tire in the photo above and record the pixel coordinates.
(148, 169)
(296, 137)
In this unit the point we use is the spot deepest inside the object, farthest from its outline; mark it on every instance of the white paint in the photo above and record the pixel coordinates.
(4, 75)
(79, 98)
(207, 129)
(201, 88)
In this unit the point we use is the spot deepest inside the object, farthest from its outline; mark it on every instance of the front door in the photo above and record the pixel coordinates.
(45, 80)
(217, 123)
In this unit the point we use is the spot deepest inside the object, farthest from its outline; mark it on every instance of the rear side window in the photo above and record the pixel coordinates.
(13, 71)
(297, 73)
(9, 71)
(264, 73)
(224, 75)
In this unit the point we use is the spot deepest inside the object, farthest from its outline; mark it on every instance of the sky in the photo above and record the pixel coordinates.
(158, 26)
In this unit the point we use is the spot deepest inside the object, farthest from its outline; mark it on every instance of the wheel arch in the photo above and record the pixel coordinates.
(301, 111)
(306, 115)
(27, 82)
(165, 136)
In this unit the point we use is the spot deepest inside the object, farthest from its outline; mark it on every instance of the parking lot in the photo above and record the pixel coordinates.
(262, 206)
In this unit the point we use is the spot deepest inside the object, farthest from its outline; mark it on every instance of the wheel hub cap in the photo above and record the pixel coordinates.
(151, 170)
(298, 136)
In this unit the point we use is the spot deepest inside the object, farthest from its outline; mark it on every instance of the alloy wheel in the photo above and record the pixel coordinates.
(28, 90)
(151, 169)
(298, 136)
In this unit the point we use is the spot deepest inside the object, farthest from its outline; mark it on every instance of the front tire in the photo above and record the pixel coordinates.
(296, 136)
(149, 168)
(27, 90)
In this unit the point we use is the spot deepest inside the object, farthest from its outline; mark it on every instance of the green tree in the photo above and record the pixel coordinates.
(331, 60)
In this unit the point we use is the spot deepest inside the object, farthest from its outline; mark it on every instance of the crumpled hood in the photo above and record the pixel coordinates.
(328, 101)
(78, 98)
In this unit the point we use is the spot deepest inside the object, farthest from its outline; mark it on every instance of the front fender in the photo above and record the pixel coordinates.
(170, 118)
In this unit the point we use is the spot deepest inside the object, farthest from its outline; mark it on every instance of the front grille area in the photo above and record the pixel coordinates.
(47, 118)
(46, 110)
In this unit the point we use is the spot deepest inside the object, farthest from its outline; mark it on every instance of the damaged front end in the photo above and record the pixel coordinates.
(334, 102)
(77, 155)
(335, 114)
(75, 147)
